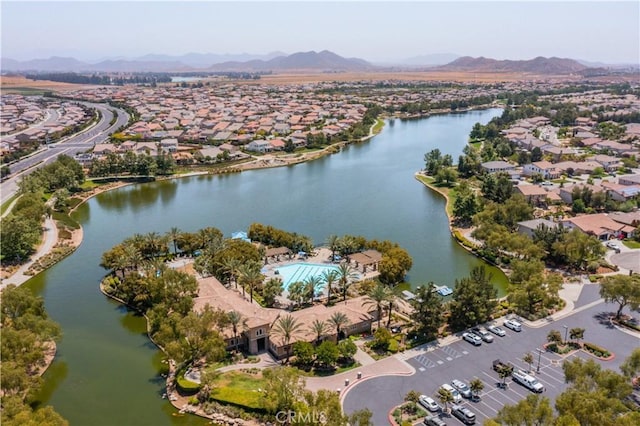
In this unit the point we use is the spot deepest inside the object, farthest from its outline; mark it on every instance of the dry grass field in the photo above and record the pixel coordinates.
(17, 83)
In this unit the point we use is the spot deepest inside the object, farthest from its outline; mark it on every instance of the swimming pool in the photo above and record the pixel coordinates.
(301, 271)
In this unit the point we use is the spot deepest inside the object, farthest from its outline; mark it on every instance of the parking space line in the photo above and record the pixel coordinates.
(488, 406)
(504, 395)
(549, 377)
(513, 386)
(475, 409)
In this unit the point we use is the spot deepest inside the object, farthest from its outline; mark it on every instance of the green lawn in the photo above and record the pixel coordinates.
(631, 244)
(239, 388)
(323, 373)
(377, 128)
(7, 203)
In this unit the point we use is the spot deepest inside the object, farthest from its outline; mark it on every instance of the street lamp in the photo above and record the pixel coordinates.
(539, 355)
(566, 329)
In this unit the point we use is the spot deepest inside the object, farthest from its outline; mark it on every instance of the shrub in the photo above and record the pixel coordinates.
(394, 346)
(596, 350)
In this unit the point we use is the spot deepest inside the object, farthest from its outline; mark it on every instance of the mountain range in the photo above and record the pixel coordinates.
(324, 61)
(539, 65)
(193, 62)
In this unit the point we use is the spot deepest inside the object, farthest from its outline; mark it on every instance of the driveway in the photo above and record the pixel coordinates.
(461, 360)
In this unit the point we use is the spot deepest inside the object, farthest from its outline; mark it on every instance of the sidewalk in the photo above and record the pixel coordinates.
(50, 239)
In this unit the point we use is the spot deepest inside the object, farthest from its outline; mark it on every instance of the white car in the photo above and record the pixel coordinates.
(613, 246)
(513, 325)
(462, 387)
(456, 395)
(472, 338)
(429, 403)
(496, 330)
(483, 334)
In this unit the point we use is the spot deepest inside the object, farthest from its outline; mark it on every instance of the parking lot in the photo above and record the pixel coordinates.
(437, 367)
(463, 361)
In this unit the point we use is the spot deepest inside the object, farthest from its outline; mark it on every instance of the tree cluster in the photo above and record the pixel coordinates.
(27, 332)
(21, 229)
(133, 164)
(65, 173)
(274, 237)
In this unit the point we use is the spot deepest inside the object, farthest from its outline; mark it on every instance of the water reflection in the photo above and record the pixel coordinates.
(134, 198)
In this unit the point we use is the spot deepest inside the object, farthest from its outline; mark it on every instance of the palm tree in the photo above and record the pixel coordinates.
(236, 321)
(286, 327)
(329, 276)
(528, 358)
(174, 235)
(377, 297)
(230, 265)
(346, 274)
(554, 336)
(251, 277)
(394, 293)
(576, 333)
(445, 397)
(338, 319)
(311, 283)
(333, 241)
(155, 244)
(132, 258)
(319, 328)
(476, 387)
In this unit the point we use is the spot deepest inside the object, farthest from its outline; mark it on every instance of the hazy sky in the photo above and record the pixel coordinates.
(377, 31)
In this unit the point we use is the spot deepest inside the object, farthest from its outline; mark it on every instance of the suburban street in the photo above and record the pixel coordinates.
(461, 360)
(71, 146)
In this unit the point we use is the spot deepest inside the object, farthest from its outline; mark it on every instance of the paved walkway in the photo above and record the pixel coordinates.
(266, 360)
(50, 239)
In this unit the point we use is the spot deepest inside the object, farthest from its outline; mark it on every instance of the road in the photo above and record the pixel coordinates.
(463, 361)
(72, 145)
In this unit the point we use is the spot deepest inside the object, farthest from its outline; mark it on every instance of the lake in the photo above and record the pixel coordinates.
(107, 371)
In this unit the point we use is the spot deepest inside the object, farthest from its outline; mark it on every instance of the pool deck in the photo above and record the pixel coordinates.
(320, 255)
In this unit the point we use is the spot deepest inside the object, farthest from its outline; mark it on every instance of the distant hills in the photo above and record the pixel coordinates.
(193, 62)
(324, 61)
(539, 65)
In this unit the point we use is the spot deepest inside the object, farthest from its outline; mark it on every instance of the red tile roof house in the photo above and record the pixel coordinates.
(599, 225)
(608, 162)
(629, 180)
(545, 168)
(534, 194)
(621, 193)
(566, 192)
(257, 337)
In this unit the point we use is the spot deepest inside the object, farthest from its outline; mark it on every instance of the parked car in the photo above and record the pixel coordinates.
(456, 395)
(463, 414)
(496, 330)
(483, 334)
(433, 421)
(429, 403)
(461, 387)
(396, 329)
(613, 246)
(513, 325)
(472, 338)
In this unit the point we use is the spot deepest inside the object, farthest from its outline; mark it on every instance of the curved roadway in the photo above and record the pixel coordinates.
(72, 145)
